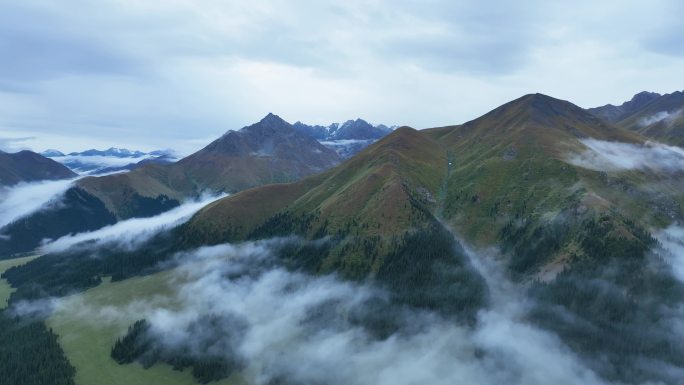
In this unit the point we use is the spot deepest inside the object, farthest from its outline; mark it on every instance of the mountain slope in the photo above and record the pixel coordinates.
(579, 236)
(270, 151)
(374, 217)
(482, 177)
(533, 120)
(515, 162)
(374, 190)
(27, 166)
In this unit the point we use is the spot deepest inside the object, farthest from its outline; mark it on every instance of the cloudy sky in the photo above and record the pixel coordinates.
(178, 73)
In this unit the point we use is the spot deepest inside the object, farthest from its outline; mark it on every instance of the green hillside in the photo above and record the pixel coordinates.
(504, 179)
(499, 179)
(576, 240)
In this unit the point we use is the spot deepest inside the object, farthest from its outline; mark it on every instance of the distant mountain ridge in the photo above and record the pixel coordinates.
(28, 166)
(96, 162)
(351, 129)
(662, 119)
(110, 152)
(658, 117)
(269, 151)
(346, 138)
(614, 113)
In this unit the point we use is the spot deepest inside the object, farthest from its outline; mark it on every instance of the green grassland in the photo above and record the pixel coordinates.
(87, 340)
(5, 289)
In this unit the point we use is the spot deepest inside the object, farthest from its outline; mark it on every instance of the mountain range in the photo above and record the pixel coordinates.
(269, 151)
(478, 176)
(573, 202)
(347, 138)
(111, 152)
(357, 129)
(98, 162)
(510, 178)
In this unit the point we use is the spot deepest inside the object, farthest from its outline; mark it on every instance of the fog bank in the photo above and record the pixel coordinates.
(133, 232)
(23, 199)
(296, 328)
(614, 156)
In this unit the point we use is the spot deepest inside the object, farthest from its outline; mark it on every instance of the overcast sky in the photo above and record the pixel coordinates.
(149, 74)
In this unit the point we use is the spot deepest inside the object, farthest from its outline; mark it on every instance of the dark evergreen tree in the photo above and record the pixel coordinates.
(30, 353)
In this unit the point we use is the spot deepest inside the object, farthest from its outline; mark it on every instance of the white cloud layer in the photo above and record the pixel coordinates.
(132, 232)
(612, 156)
(666, 116)
(296, 327)
(26, 198)
(672, 239)
(83, 164)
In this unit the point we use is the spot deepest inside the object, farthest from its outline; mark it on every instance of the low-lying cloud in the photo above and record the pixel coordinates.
(297, 328)
(666, 116)
(85, 164)
(614, 156)
(672, 240)
(97, 164)
(23, 199)
(132, 232)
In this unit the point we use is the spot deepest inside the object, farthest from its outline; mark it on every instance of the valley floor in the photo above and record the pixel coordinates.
(89, 323)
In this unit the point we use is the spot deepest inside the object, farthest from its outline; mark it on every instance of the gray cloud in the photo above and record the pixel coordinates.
(106, 70)
(465, 37)
(666, 116)
(14, 144)
(46, 43)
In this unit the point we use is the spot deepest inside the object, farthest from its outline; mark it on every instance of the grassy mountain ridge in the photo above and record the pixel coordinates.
(579, 237)
(383, 170)
(269, 151)
(532, 120)
(377, 195)
(510, 169)
(504, 175)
